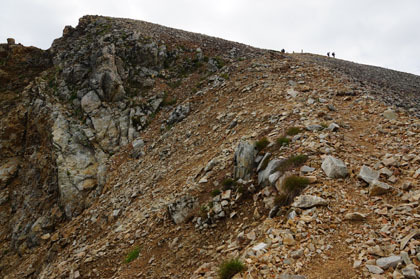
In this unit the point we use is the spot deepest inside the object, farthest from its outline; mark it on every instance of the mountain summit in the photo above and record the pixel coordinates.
(133, 150)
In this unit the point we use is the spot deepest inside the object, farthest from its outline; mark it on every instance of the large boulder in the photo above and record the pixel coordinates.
(244, 160)
(334, 168)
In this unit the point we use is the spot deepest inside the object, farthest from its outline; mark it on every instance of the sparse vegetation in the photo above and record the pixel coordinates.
(298, 160)
(262, 143)
(220, 62)
(230, 267)
(292, 131)
(215, 192)
(225, 76)
(228, 183)
(293, 162)
(324, 125)
(168, 100)
(292, 186)
(132, 255)
(283, 141)
(293, 183)
(175, 84)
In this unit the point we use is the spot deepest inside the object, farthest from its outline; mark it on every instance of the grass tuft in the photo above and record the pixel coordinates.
(291, 187)
(215, 192)
(229, 268)
(262, 143)
(293, 131)
(228, 183)
(283, 141)
(293, 183)
(132, 255)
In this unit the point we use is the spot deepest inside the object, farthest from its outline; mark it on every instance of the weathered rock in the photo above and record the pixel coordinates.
(390, 114)
(290, 276)
(76, 163)
(378, 188)
(367, 174)
(181, 209)
(8, 170)
(138, 145)
(264, 162)
(374, 269)
(391, 261)
(244, 160)
(355, 216)
(306, 169)
(314, 127)
(178, 114)
(90, 102)
(308, 201)
(271, 168)
(334, 168)
(409, 272)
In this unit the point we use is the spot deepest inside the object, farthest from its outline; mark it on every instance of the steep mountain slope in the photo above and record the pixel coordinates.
(142, 138)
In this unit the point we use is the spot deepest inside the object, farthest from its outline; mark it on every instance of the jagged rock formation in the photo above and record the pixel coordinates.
(128, 134)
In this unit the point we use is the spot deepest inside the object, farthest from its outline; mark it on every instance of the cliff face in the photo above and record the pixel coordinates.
(126, 134)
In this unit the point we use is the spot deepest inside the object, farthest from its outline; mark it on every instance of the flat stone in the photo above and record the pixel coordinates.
(378, 188)
(334, 168)
(314, 127)
(391, 261)
(290, 276)
(355, 216)
(306, 169)
(409, 272)
(390, 114)
(374, 269)
(308, 201)
(367, 174)
(260, 246)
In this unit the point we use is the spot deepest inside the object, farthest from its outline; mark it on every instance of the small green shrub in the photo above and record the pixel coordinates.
(295, 183)
(292, 162)
(281, 199)
(228, 183)
(283, 141)
(298, 160)
(291, 187)
(168, 101)
(225, 76)
(292, 131)
(175, 84)
(215, 192)
(262, 143)
(132, 255)
(229, 268)
(324, 125)
(220, 62)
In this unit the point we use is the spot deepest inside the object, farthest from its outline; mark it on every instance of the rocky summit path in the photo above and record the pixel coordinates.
(188, 181)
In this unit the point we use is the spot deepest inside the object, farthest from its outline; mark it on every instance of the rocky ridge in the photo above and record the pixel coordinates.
(146, 126)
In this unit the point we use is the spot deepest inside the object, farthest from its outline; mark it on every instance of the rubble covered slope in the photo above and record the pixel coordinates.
(133, 150)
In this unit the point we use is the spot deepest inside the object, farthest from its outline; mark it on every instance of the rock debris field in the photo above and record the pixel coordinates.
(141, 151)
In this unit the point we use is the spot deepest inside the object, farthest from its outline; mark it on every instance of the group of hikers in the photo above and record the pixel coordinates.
(328, 53)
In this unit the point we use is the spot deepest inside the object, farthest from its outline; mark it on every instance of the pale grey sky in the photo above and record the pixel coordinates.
(378, 32)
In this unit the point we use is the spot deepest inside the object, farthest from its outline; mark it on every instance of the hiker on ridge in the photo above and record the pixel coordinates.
(333, 54)
(328, 54)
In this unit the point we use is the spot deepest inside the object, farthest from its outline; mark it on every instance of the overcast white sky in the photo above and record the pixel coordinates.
(385, 33)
